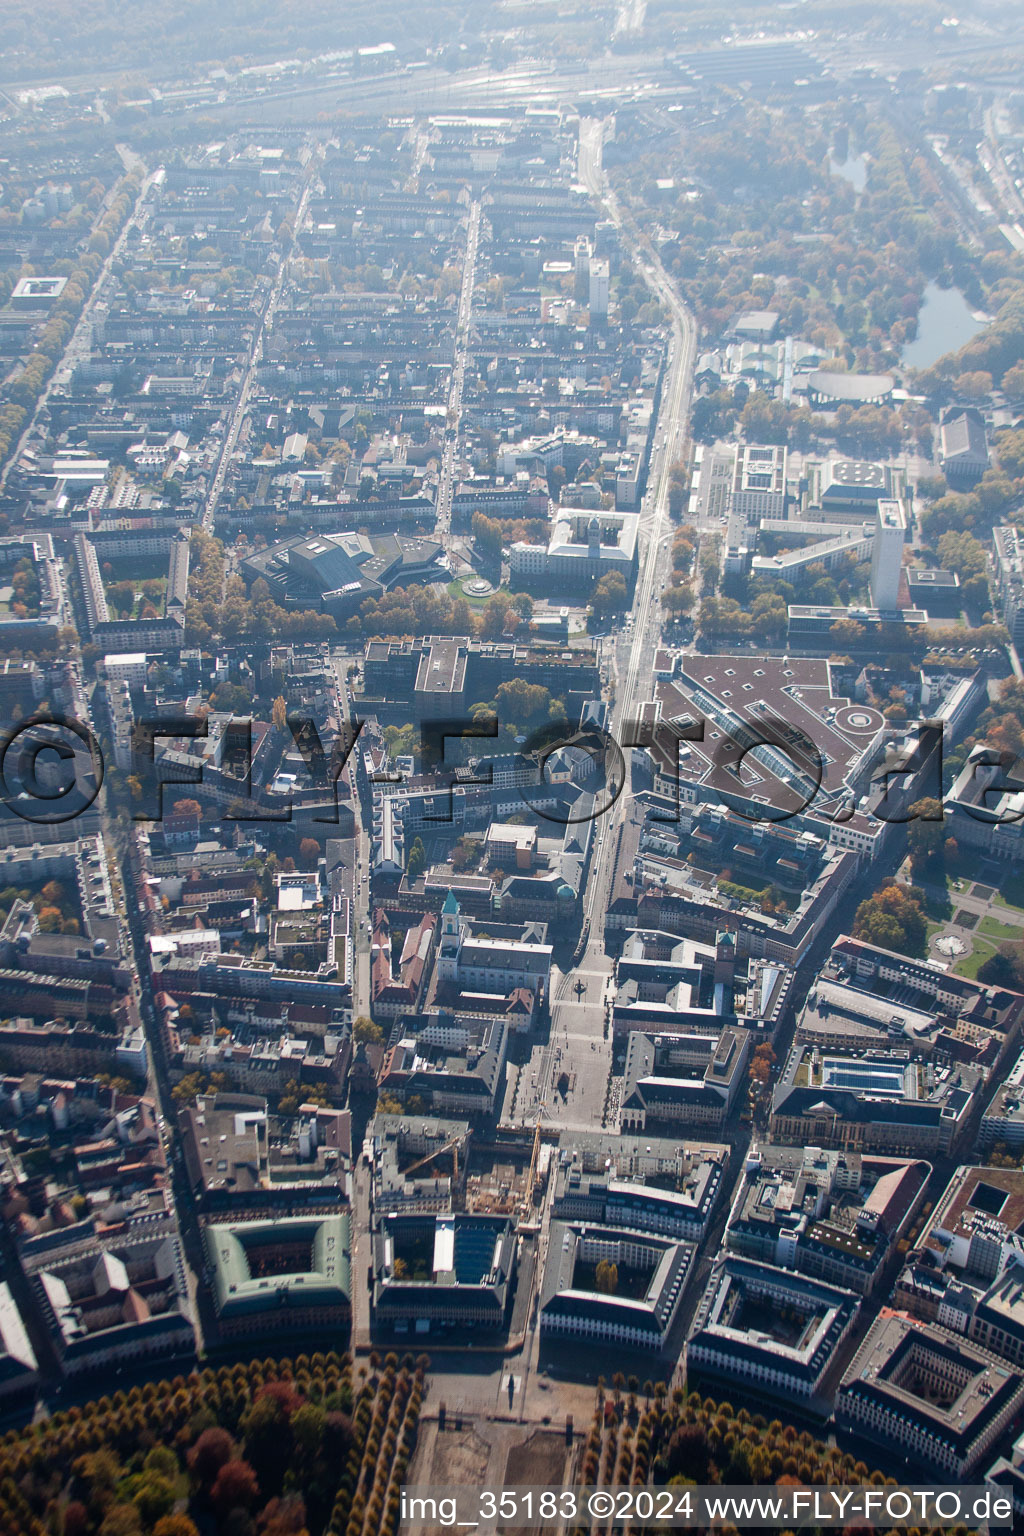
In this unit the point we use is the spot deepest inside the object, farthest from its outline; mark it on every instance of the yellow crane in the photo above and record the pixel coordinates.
(533, 1162)
(449, 1146)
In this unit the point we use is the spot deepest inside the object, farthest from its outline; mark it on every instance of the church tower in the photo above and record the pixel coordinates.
(450, 946)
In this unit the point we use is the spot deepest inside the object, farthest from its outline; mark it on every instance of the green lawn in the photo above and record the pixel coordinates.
(997, 930)
(155, 597)
(1009, 895)
(455, 592)
(968, 965)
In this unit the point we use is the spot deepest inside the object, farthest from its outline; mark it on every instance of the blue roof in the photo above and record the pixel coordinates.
(450, 904)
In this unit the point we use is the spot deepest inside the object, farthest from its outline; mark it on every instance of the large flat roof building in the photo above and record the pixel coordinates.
(582, 547)
(975, 1228)
(767, 1329)
(929, 1395)
(854, 483)
(448, 1271)
(683, 1079)
(282, 1273)
(1002, 1120)
(867, 997)
(963, 446)
(812, 625)
(882, 1101)
(759, 482)
(650, 1279)
(679, 1206)
(829, 1214)
(115, 1299)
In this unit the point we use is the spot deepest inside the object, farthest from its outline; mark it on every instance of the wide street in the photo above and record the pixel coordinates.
(576, 1045)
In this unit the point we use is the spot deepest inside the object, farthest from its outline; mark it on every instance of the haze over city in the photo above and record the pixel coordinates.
(511, 871)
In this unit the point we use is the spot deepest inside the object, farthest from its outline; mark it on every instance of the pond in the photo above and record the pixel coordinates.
(944, 323)
(853, 169)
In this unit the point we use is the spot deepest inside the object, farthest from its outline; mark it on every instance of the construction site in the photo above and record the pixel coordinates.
(434, 1165)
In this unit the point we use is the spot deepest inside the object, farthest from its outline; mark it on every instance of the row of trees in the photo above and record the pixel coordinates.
(1001, 726)
(678, 598)
(977, 511)
(415, 611)
(256, 616)
(205, 586)
(766, 618)
(282, 1447)
(492, 534)
(610, 596)
(21, 393)
(219, 607)
(672, 1437)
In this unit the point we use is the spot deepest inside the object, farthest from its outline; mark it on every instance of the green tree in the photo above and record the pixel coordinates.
(519, 703)
(152, 1495)
(121, 1520)
(963, 553)
(1013, 382)
(417, 860)
(175, 1525)
(678, 599)
(487, 535)
(926, 835)
(847, 632)
(611, 595)
(893, 918)
(1003, 969)
(496, 616)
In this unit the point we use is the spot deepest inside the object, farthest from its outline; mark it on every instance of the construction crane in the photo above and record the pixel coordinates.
(449, 1146)
(533, 1163)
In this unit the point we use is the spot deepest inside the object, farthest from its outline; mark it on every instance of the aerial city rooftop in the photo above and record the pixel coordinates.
(512, 591)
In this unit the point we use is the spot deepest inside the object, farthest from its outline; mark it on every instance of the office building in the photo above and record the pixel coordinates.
(759, 483)
(650, 1277)
(770, 1331)
(928, 1395)
(598, 287)
(887, 555)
